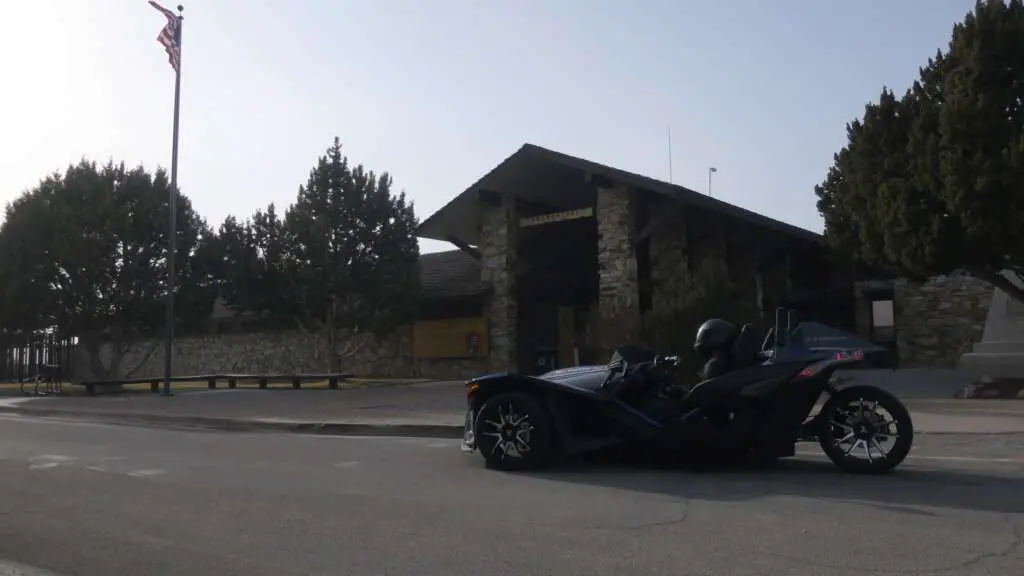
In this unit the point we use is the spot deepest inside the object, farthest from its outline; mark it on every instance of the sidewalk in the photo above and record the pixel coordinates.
(432, 409)
(909, 383)
(10, 389)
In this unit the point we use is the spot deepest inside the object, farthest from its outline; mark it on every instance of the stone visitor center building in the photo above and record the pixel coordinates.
(549, 244)
(560, 242)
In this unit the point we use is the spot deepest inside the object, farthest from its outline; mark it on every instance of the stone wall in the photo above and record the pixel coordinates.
(498, 245)
(755, 280)
(281, 352)
(939, 320)
(776, 286)
(618, 286)
(668, 257)
(744, 263)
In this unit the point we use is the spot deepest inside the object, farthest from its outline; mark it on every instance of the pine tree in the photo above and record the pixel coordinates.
(931, 183)
(84, 253)
(351, 255)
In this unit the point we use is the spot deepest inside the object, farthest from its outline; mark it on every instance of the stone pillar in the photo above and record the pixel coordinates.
(498, 243)
(618, 287)
(743, 264)
(668, 252)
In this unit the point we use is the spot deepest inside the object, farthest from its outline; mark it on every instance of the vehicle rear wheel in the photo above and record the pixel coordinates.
(865, 430)
(514, 432)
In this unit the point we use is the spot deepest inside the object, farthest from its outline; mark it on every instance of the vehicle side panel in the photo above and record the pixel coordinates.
(577, 413)
(493, 383)
(761, 379)
(785, 412)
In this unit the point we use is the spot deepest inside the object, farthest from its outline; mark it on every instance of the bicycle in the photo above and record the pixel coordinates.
(34, 380)
(50, 386)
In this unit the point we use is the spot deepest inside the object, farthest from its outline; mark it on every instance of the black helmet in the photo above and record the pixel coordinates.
(715, 334)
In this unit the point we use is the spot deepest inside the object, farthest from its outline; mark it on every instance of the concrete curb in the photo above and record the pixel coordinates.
(308, 427)
(245, 425)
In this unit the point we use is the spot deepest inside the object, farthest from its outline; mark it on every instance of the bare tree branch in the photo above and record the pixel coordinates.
(355, 343)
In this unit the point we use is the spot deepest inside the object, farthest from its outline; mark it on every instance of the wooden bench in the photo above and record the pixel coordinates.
(155, 384)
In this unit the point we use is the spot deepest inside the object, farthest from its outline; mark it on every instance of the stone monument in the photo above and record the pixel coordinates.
(1000, 354)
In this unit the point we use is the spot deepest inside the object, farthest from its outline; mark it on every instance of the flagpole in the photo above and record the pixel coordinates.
(172, 220)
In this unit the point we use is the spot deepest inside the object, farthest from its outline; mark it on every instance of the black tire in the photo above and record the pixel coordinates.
(832, 431)
(539, 441)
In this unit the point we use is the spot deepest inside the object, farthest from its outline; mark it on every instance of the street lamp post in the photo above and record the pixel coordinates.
(711, 171)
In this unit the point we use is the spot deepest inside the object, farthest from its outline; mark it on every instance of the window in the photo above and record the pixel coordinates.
(882, 315)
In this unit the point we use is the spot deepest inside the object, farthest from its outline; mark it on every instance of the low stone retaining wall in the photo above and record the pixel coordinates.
(939, 320)
(280, 352)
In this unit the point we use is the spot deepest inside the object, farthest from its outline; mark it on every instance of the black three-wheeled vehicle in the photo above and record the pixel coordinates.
(754, 402)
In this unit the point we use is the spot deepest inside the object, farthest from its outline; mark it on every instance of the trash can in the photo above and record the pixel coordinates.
(544, 360)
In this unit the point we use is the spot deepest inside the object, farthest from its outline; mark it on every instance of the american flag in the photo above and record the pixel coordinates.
(170, 35)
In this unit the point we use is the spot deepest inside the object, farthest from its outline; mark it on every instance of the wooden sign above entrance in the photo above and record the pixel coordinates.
(553, 217)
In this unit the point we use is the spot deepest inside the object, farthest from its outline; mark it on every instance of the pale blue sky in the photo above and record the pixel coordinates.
(439, 91)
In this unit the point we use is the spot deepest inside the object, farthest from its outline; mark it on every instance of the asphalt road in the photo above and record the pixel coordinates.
(439, 401)
(89, 499)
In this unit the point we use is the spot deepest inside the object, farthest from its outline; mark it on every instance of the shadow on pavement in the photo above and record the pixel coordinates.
(909, 489)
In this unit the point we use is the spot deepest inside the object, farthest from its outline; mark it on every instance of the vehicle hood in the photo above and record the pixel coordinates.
(574, 372)
(584, 377)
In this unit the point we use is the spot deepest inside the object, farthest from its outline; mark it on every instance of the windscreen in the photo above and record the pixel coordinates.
(821, 338)
(631, 355)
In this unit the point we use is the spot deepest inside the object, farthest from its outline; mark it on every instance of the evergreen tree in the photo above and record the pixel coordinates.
(350, 255)
(252, 272)
(931, 183)
(85, 254)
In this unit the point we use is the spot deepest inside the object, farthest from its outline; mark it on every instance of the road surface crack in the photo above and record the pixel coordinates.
(1016, 544)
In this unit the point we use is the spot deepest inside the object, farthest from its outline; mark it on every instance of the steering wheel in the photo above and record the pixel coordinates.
(633, 379)
(623, 377)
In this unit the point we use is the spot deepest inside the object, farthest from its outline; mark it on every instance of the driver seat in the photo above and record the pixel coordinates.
(742, 354)
(745, 348)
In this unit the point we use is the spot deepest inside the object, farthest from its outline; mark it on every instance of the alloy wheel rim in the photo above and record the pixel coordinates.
(865, 430)
(511, 432)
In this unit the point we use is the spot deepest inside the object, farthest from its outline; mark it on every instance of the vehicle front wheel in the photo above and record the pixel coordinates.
(865, 430)
(514, 432)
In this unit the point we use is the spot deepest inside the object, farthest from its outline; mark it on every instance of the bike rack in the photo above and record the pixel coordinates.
(42, 387)
(48, 379)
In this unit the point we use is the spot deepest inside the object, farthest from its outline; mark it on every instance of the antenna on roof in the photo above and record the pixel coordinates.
(669, 134)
